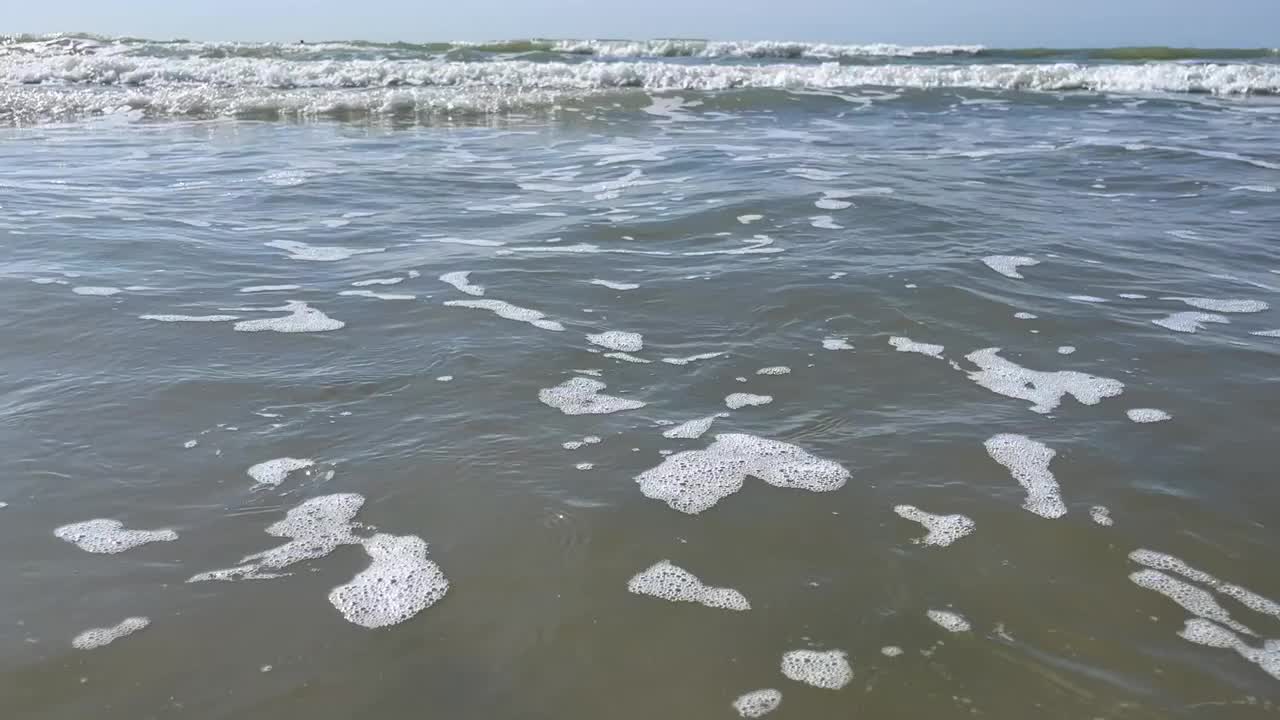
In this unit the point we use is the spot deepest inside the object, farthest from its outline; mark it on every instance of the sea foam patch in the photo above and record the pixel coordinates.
(1007, 265)
(836, 343)
(949, 621)
(1189, 322)
(373, 294)
(190, 318)
(102, 535)
(613, 285)
(904, 344)
(627, 342)
(319, 253)
(1147, 415)
(302, 318)
(735, 401)
(461, 281)
(757, 703)
(1223, 306)
(1044, 390)
(691, 358)
(507, 311)
(98, 637)
(1028, 461)
(774, 370)
(399, 583)
(695, 480)
(582, 396)
(828, 669)
(95, 290)
(675, 584)
(1197, 601)
(273, 472)
(942, 529)
(691, 429)
(1204, 632)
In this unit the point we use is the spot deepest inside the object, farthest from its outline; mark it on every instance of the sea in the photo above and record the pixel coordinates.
(681, 379)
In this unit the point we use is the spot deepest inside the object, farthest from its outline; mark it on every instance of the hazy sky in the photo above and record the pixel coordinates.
(1238, 23)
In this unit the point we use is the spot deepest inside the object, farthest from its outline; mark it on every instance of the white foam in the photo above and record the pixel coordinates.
(1101, 515)
(690, 430)
(1203, 632)
(109, 536)
(949, 621)
(943, 529)
(774, 370)
(627, 357)
(1224, 306)
(748, 219)
(1008, 265)
(691, 358)
(1133, 296)
(460, 281)
(413, 274)
(695, 480)
(758, 245)
(825, 222)
(48, 281)
(575, 444)
(97, 290)
(1147, 415)
(190, 318)
(399, 583)
(675, 584)
(1044, 390)
(1066, 349)
(1162, 561)
(908, 345)
(97, 637)
(741, 400)
(508, 311)
(582, 396)
(757, 703)
(832, 201)
(378, 281)
(836, 343)
(1087, 298)
(613, 285)
(1195, 600)
(273, 472)
(829, 670)
(1025, 316)
(269, 288)
(302, 318)
(319, 253)
(836, 275)
(618, 340)
(471, 242)
(891, 651)
(1189, 322)
(1266, 333)
(444, 378)
(190, 444)
(1028, 462)
(377, 295)
(1255, 188)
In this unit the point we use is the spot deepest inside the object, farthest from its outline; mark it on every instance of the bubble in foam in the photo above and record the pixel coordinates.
(690, 430)
(741, 400)
(695, 480)
(1066, 349)
(836, 343)
(1195, 600)
(1147, 415)
(399, 583)
(1044, 390)
(582, 396)
(96, 290)
(1101, 515)
(377, 295)
(774, 370)
(942, 529)
(1008, 265)
(460, 281)
(675, 584)
(822, 669)
(903, 344)
(1028, 462)
(949, 621)
(1189, 322)
(102, 535)
(757, 703)
(627, 342)
(302, 318)
(691, 358)
(891, 651)
(508, 311)
(97, 637)
(319, 253)
(273, 472)
(1223, 306)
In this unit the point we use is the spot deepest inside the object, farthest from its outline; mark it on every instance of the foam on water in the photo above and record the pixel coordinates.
(95, 290)
(1045, 390)
(1101, 515)
(675, 584)
(190, 318)
(1266, 333)
(269, 288)
(949, 621)
(748, 219)
(618, 340)
(741, 400)
(102, 535)
(627, 357)
(508, 311)
(378, 281)
(1066, 349)
(613, 285)
(399, 583)
(1008, 265)
(1147, 415)
(836, 343)
(690, 430)
(829, 669)
(903, 344)
(1189, 322)
(942, 529)
(302, 318)
(691, 358)
(825, 222)
(774, 370)
(695, 480)
(98, 637)
(582, 396)
(1025, 316)
(377, 295)
(460, 281)
(1087, 298)
(575, 444)
(1133, 296)
(891, 651)
(319, 253)
(1028, 462)
(1195, 600)
(1169, 563)
(1204, 632)
(1224, 306)
(757, 703)
(273, 472)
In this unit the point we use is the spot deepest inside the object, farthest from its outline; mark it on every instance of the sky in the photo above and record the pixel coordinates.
(996, 23)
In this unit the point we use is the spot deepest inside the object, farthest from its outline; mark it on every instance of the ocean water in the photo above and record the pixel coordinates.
(665, 379)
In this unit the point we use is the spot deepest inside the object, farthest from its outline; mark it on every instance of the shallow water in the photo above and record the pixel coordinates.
(705, 222)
